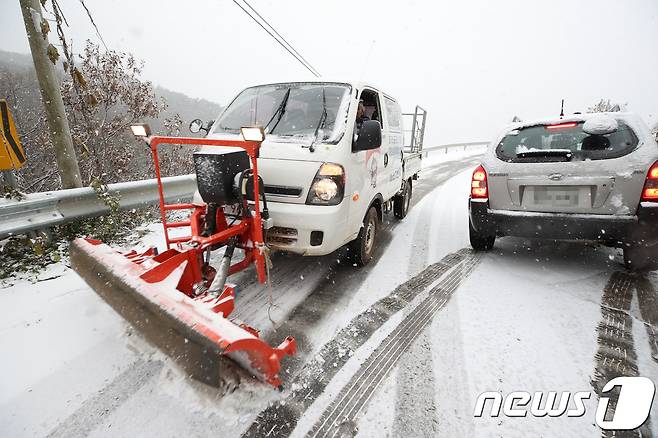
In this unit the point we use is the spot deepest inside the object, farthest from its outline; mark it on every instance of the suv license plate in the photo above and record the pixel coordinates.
(556, 196)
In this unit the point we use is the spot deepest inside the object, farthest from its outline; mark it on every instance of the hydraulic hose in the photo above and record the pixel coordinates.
(217, 285)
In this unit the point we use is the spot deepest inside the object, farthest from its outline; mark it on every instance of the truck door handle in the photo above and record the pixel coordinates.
(385, 160)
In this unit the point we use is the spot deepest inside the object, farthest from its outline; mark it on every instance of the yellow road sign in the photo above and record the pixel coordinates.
(12, 155)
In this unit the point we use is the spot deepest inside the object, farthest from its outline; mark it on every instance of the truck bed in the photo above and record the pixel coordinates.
(412, 150)
(411, 164)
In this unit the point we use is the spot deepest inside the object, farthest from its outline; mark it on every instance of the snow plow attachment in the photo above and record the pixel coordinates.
(176, 298)
(193, 331)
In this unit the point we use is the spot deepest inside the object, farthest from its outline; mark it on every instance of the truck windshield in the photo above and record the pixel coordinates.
(290, 112)
(565, 142)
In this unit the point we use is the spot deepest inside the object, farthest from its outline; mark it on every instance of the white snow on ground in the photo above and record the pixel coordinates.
(524, 320)
(532, 328)
(62, 345)
(436, 156)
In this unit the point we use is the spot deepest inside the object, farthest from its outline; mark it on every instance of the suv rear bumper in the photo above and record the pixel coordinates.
(612, 230)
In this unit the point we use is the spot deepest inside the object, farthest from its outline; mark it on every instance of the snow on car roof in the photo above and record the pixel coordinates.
(624, 116)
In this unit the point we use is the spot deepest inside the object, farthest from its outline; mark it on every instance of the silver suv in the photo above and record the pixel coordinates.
(582, 177)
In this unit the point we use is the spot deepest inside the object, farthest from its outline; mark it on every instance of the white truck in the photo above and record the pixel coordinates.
(333, 162)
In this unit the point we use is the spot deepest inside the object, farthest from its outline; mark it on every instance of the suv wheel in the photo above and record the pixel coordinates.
(640, 258)
(402, 201)
(363, 247)
(479, 241)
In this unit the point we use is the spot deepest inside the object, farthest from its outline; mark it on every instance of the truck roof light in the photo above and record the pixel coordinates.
(141, 130)
(253, 134)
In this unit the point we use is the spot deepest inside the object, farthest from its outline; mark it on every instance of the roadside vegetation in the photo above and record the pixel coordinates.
(28, 255)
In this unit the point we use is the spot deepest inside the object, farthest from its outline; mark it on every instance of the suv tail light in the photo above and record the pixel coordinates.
(561, 125)
(650, 192)
(479, 188)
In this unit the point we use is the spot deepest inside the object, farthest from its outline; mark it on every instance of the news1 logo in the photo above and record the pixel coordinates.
(631, 411)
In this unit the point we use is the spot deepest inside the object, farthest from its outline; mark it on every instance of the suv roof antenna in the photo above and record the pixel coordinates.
(562, 109)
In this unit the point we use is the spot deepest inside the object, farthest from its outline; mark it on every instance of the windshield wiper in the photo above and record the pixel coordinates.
(321, 122)
(567, 154)
(279, 111)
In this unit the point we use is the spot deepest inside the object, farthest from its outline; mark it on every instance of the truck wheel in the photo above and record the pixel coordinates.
(641, 258)
(479, 241)
(363, 247)
(402, 201)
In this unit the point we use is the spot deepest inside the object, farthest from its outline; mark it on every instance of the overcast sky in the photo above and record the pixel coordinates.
(473, 64)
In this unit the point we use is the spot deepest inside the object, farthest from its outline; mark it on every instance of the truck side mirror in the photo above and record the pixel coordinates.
(196, 125)
(370, 136)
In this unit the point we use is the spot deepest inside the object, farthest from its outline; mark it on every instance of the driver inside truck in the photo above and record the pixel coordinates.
(360, 115)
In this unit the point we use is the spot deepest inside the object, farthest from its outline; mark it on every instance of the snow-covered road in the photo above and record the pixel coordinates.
(400, 348)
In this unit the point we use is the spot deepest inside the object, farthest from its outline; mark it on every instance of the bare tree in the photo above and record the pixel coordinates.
(103, 99)
(110, 95)
(606, 106)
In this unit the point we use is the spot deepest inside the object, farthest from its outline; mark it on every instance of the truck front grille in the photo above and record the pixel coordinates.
(293, 192)
(282, 236)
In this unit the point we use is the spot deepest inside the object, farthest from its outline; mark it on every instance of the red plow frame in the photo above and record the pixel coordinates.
(166, 294)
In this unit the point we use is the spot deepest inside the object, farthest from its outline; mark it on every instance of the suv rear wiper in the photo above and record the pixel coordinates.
(567, 154)
(279, 111)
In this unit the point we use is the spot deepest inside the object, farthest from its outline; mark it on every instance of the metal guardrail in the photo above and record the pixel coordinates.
(39, 211)
(445, 147)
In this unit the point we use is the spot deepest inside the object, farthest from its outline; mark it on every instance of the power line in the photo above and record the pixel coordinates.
(98, 32)
(289, 49)
(282, 38)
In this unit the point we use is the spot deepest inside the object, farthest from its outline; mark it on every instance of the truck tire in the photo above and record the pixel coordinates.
(640, 258)
(479, 241)
(363, 247)
(402, 201)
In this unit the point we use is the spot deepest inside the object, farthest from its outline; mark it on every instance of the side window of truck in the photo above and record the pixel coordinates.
(393, 114)
(372, 105)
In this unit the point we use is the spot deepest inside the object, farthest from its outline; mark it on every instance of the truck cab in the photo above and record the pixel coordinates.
(329, 176)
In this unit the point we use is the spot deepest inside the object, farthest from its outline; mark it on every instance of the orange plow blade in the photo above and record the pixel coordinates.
(152, 292)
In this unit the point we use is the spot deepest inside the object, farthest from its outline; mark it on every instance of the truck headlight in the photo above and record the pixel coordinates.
(328, 186)
(326, 189)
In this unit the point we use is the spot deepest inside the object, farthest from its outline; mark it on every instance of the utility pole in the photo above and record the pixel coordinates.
(58, 124)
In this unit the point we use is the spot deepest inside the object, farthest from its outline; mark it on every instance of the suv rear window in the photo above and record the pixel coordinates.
(564, 142)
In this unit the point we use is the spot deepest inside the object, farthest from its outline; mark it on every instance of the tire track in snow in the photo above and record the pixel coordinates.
(322, 273)
(339, 276)
(340, 417)
(95, 410)
(616, 354)
(648, 301)
(415, 404)
(280, 419)
(414, 386)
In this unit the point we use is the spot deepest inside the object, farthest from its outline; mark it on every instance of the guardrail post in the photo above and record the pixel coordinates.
(9, 178)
